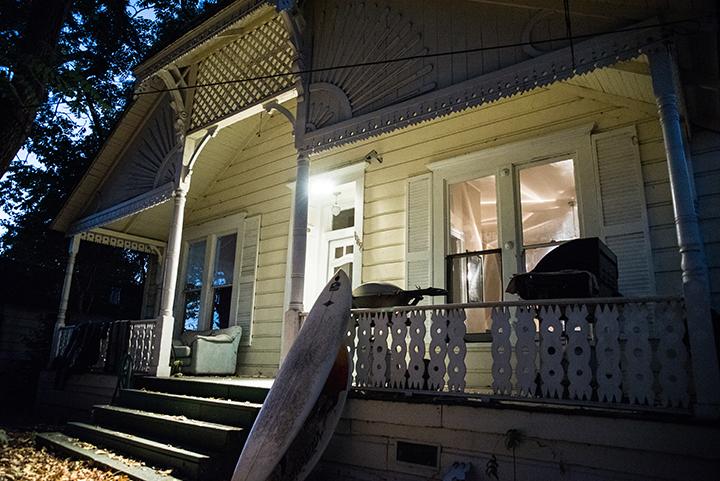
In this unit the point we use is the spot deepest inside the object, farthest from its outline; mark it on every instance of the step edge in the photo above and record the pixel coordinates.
(170, 418)
(63, 443)
(139, 441)
(223, 402)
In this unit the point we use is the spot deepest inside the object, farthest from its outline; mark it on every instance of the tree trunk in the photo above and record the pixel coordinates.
(36, 57)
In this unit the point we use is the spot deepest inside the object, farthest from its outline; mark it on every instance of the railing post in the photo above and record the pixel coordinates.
(73, 249)
(703, 350)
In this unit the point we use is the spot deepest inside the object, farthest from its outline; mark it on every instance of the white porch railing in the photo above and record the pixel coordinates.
(140, 341)
(611, 351)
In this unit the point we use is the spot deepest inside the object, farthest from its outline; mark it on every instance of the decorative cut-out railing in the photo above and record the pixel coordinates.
(608, 351)
(115, 339)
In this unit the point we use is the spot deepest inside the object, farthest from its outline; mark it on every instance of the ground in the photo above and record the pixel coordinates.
(21, 459)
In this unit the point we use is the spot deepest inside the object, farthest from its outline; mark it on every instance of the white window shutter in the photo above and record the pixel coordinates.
(418, 232)
(246, 283)
(624, 211)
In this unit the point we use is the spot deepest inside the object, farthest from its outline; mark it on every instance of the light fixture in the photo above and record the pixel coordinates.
(335, 208)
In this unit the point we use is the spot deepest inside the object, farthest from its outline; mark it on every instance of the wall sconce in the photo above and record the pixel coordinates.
(335, 208)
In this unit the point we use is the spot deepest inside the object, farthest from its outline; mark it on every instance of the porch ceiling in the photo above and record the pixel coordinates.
(153, 223)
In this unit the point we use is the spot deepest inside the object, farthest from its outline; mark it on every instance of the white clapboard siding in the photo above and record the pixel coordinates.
(246, 284)
(624, 212)
(418, 232)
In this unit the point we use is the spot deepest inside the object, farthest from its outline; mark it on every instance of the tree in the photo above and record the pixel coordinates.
(88, 82)
(24, 85)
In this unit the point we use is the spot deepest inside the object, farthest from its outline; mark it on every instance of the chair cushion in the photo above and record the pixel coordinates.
(181, 351)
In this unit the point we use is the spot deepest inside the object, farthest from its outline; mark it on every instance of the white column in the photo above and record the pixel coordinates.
(73, 249)
(166, 321)
(694, 267)
(291, 321)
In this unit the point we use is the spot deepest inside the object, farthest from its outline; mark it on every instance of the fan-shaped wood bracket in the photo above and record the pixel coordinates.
(328, 104)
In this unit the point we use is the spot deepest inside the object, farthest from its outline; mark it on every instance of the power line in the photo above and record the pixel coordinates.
(423, 56)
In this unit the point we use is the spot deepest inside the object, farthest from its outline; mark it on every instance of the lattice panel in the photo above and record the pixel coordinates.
(263, 52)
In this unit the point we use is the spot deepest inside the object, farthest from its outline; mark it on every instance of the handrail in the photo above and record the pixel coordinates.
(537, 302)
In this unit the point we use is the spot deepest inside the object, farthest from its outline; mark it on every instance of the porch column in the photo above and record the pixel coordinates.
(694, 267)
(291, 322)
(166, 321)
(73, 249)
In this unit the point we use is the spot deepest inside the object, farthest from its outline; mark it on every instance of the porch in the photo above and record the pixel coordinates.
(195, 425)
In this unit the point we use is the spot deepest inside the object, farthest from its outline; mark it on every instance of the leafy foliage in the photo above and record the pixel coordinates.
(89, 84)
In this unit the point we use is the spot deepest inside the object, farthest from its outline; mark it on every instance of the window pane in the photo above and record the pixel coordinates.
(548, 203)
(475, 278)
(196, 261)
(221, 307)
(345, 219)
(473, 215)
(192, 310)
(224, 260)
(533, 256)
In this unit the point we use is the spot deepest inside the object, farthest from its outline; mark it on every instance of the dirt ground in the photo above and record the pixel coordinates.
(20, 460)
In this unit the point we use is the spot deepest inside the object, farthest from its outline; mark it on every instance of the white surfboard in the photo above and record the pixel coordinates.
(299, 391)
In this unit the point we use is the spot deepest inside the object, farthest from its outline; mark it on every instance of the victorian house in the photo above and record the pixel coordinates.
(450, 144)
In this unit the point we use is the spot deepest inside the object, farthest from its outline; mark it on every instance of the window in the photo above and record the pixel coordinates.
(220, 260)
(193, 285)
(496, 212)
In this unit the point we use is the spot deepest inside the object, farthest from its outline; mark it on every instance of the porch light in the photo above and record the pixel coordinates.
(321, 186)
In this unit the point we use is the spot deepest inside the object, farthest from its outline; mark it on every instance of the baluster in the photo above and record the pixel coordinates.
(525, 351)
(456, 350)
(398, 362)
(551, 352)
(378, 373)
(438, 350)
(416, 368)
(501, 351)
(350, 338)
(607, 352)
(363, 350)
(638, 354)
(578, 352)
(672, 354)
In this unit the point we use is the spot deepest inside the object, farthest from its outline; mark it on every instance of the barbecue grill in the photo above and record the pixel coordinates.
(384, 294)
(575, 269)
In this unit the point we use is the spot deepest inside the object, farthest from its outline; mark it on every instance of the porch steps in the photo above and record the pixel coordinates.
(195, 428)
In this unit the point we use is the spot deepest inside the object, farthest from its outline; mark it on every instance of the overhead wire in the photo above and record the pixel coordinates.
(567, 37)
(428, 55)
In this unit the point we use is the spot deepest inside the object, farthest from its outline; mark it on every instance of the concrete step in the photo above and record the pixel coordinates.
(65, 445)
(176, 430)
(248, 391)
(184, 463)
(234, 413)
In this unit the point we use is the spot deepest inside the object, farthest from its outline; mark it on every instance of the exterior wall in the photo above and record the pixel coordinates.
(557, 445)
(705, 152)
(256, 182)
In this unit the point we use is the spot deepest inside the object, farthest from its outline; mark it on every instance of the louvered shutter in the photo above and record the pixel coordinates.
(246, 282)
(418, 238)
(624, 211)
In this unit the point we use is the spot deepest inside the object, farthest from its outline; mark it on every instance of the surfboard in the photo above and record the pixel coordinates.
(308, 394)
